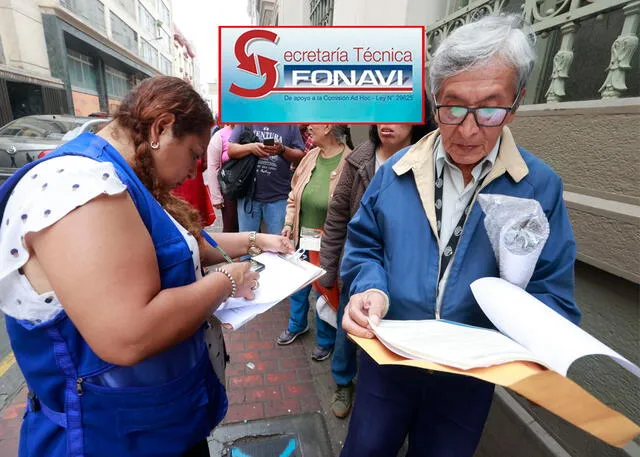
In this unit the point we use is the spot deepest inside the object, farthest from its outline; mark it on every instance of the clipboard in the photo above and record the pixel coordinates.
(282, 277)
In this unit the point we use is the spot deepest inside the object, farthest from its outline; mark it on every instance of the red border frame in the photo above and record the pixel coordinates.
(422, 73)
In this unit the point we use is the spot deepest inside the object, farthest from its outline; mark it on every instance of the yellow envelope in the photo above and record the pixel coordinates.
(549, 389)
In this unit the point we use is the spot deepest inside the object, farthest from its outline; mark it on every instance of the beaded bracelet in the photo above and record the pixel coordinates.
(233, 281)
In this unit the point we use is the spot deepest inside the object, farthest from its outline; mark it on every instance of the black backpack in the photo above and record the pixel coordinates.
(237, 176)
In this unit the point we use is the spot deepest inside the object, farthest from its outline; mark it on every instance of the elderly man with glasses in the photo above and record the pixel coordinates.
(418, 241)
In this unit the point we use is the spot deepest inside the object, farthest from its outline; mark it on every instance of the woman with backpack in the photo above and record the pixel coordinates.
(217, 156)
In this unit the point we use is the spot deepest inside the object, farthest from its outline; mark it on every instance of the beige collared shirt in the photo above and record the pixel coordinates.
(455, 195)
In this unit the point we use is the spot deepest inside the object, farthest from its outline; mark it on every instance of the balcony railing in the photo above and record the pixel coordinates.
(587, 49)
(90, 10)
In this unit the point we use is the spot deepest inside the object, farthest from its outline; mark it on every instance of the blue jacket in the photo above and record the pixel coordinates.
(392, 242)
(160, 407)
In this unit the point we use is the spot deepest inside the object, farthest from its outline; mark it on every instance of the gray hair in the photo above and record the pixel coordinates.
(473, 45)
(342, 133)
(339, 132)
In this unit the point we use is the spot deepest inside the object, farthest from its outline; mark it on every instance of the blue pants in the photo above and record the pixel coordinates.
(298, 319)
(344, 364)
(443, 414)
(252, 212)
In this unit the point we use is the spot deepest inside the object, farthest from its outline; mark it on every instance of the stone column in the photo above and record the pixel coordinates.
(561, 63)
(622, 51)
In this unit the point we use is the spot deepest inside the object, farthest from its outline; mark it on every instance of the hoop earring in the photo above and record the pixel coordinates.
(154, 145)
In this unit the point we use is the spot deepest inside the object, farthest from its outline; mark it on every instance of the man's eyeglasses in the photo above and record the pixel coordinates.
(485, 116)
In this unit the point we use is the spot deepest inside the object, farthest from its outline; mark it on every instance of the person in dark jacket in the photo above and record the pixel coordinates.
(360, 166)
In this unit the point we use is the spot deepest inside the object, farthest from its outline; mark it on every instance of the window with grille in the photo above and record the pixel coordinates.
(321, 12)
(455, 5)
(91, 10)
(165, 41)
(165, 66)
(147, 21)
(148, 53)
(123, 34)
(165, 16)
(82, 72)
(129, 6)
(117, 82)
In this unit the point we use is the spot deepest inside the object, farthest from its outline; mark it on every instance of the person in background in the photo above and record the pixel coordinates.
(195, 192)
(306, 137)
(360, 166)
(268, 204)
(216, 124)
(418, 241)
(102, 289)
(217, 155)
(312, 189)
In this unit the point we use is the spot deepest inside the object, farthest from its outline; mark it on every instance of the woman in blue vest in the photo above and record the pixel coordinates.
(101, 284)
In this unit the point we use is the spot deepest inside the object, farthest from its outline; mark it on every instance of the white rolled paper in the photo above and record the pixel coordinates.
(518, 230)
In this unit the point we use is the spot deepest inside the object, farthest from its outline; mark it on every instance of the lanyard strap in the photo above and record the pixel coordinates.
(452, 244)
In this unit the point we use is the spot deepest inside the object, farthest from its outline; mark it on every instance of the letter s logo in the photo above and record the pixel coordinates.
(257, 65)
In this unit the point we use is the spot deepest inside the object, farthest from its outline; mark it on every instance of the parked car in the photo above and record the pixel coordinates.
(30, 137)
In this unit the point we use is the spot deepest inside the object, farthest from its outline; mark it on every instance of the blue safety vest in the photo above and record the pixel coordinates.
(81, 406)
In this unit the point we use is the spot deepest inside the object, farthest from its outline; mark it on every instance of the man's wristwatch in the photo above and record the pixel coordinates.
(253, 247)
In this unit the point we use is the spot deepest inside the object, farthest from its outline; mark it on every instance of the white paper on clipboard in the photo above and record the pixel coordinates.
(282, 276)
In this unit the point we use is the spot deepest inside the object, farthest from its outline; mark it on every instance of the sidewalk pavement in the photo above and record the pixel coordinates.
(10, 421)
(265, 380)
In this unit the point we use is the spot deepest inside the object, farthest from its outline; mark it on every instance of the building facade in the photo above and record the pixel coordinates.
(184, 58)
(86, 54)
(26, 83)
(581, 115)
(344, 12)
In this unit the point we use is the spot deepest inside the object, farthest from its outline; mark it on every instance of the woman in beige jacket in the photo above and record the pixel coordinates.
(311, 190)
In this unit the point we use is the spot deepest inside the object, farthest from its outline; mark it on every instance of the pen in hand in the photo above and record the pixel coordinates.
(224, 254)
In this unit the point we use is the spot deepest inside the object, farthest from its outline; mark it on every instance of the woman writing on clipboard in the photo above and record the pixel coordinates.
(102, 288)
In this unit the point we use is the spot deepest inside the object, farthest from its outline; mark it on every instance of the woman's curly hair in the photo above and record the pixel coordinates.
(139, 109)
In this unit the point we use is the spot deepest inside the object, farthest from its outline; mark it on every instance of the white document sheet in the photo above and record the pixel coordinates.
(280, 278)
(537, 327)
(237, 317)
(449, 343)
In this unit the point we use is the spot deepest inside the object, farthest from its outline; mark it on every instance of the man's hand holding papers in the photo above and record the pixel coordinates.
(364, 308)
(528, 330)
